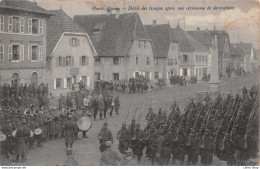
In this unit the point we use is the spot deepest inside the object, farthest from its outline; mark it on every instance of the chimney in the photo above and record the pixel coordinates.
(198, 28)
(108, 11)
(154, 22)
(117, 13)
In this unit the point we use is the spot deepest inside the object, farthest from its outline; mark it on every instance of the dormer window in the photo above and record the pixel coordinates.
(96, 31)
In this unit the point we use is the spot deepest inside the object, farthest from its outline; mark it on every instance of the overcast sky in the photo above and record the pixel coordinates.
(242, 22)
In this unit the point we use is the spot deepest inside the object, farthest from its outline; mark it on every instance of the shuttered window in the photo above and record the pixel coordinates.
(1, 52)
(40, 27)
(88, 81)
(22, 52)
(2, 23)
(30, 26)
(10, 24)
(22, 25)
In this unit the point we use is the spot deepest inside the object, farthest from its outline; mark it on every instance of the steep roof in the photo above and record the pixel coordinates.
(112, 36)
(23, 5)
(247, 47)
(186, 42)
(160, 35)
(57, 24)
(205, 38)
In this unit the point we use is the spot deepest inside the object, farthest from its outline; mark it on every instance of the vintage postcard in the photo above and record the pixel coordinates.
(129, 82)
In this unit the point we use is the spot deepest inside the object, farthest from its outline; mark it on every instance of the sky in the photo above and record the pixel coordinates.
(242, 22)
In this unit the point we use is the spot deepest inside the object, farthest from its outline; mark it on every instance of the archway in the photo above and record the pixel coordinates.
(15, 79)
(34, 79)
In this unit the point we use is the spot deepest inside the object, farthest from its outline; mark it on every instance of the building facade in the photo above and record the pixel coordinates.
(204, 37)
(194, 57)
(22, 42)
(70, 55)
(166, 51)
(122, 44)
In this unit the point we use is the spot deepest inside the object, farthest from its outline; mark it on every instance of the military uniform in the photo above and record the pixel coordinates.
(124, 139)
(103, 136)
(137, 142)
(69, 128)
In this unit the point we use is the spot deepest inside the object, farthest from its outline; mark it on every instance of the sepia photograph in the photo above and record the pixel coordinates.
(129, 83)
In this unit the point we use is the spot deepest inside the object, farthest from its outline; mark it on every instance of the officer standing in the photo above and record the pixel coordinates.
(69, 129)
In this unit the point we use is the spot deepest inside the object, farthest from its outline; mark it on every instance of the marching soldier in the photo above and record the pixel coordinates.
(192, 148)
(109, 157)
(137, 142)
(103, 136)
(166, 153)
(124, 138)
(206, 149)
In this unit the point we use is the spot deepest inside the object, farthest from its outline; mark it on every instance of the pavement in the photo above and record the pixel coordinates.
(87, 151)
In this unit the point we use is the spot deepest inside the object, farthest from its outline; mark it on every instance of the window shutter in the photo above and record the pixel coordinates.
(150, 75)
(40, 52)
(40, 27)
(188, 72)
(88, 81)
(167, 75)
(72, 80)
(30, 26)
(72, 60)
(10, 24)
(22, 52)
(22, 25)
(77, 42)
(28, 52)
(56, 61)
(80, 78)
(180, 71)
(87, 60)
(70, 42)
(65, 83)
(143, 73)
(119, 61)
(10, 52)
(54, 84)
(134, 74)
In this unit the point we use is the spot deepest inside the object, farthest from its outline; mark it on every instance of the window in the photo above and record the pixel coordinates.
(98, 61)
(145, 44)
(185, 72)
(58, 83)
(1, 52)
(147, 75)
(16, 21)
(97, 76)
(15, 52)
(74, 42)
(35, 26)
(68, 61)
(197, 58)
(139, 44)
(116, 76)
(34, 53)
(10, 24)
(148, 61)
(60, 61)
(1, 23)
(115, 60)
(22, 25)
(15, 79)
(206, 58)
(185, 58)
(205, 73)
(30, 26)
(199, 72)
(137, 60)
(83, 60)
(69, 82)
(41, 27)
(156, 75)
